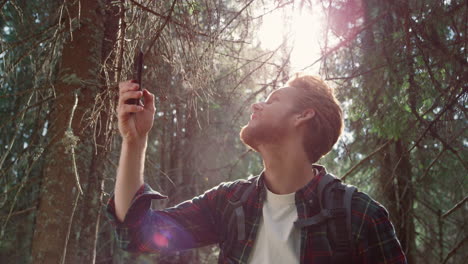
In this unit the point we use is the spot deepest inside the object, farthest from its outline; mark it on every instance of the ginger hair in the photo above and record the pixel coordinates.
(326, 126)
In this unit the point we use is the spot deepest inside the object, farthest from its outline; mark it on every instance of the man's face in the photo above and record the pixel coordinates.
(271, 121)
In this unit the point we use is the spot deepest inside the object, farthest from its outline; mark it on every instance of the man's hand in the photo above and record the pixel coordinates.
(135, 121)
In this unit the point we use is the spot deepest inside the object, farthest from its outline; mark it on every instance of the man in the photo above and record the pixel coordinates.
(293, 129)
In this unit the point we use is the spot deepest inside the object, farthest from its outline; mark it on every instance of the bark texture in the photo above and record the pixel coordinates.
(67, 219)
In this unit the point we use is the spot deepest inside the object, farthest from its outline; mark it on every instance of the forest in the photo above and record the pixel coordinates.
(398, 69)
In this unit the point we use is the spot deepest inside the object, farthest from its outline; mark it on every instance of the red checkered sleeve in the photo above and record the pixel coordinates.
(187, 225)
(378, 241)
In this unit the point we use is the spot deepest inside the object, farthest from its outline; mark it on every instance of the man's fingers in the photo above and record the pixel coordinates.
(130, 95)
(128, 108)
(149, 99)
(127, 86)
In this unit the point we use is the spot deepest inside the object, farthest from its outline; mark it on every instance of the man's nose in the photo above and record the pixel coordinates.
(256, 107)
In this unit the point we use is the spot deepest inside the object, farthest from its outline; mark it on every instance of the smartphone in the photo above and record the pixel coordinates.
(137, 70)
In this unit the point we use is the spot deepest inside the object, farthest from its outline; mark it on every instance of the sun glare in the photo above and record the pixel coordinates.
(301, 29)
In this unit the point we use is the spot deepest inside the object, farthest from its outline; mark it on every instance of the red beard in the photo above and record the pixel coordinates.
(259, 133)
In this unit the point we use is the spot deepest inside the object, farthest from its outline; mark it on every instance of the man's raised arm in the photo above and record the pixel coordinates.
(135, 122)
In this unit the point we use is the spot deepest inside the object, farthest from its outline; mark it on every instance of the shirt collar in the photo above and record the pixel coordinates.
(308, 192)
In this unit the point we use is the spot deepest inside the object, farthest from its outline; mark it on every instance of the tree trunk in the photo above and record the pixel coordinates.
(67, 220)
(404, 195)
(395, 177)
(396, 193)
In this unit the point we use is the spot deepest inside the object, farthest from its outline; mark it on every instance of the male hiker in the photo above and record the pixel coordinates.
(287, 214)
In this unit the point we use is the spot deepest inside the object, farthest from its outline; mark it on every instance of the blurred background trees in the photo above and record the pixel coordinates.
(398, 67)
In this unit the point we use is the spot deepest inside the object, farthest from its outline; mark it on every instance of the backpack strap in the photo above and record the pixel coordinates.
(239, 197)
(349, 191)
(325, 183)
(340, 226)
(335, 204)
(325, 213)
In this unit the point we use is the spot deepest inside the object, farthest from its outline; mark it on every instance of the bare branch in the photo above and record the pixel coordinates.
(64, 254)
(365, 159)
(158, 34)
(27, 210)
(454, 250)
(120, 44)
(458, 205)
(171, 19)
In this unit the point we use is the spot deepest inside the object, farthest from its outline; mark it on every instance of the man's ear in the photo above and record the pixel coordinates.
(304, 116)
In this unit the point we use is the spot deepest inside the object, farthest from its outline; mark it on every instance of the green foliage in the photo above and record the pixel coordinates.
(404, 87)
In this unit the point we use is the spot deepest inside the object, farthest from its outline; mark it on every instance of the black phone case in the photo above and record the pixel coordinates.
(137, 71)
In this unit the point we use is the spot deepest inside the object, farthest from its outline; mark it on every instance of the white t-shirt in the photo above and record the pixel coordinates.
(278, 241)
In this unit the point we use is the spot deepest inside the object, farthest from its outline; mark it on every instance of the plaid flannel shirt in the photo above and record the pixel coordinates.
(204, 220)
